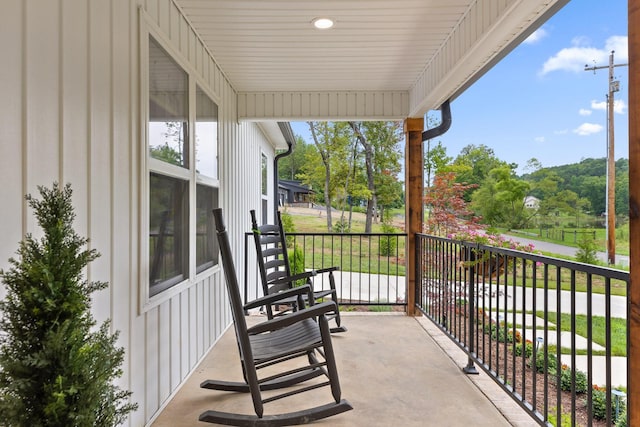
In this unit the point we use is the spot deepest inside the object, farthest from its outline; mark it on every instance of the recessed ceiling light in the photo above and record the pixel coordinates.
(323, 23)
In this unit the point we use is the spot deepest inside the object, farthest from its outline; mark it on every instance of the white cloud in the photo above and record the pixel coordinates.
(581, 41)
(580, 54)
(584, 112)
(619, 106)
(539, 139)
(620, 45)
(536, 36)
(586, 129)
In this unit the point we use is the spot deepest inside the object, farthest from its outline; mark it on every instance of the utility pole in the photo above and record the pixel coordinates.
(614, 86)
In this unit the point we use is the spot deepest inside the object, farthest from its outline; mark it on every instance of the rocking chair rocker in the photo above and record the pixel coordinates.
(275, 270)
(303, 334)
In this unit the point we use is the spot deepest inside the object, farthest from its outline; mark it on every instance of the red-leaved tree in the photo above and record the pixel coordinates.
(447, 210)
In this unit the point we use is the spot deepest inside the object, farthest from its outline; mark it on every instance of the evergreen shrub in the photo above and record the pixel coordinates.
(56, 367)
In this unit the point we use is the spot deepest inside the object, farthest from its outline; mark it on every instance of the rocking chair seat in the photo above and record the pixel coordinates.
(295, 338)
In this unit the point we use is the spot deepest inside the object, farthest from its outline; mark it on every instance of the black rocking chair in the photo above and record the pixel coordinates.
(275, 270)
(303, 335)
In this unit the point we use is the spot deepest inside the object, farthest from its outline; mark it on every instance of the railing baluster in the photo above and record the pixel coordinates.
(589, 348)
(558, 343)
(573, 347)
(607, 310)
(470, 368)
(545, 341)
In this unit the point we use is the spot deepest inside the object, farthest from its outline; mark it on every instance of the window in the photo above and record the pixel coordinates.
(168, 232)
(264, 175)
(168, 108)
(206, 149)
(206, 135)
(265, 186)
(183, 174)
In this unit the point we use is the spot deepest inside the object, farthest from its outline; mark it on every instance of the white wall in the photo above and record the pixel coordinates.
(70, 112)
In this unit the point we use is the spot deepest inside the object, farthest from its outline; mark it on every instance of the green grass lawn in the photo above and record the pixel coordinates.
(351, 253)
(618, 330)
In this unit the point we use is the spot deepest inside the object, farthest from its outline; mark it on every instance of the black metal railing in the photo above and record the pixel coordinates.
(552, 333)
(371, 266)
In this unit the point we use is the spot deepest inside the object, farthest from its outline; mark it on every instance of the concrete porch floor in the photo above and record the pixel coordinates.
(394, 370)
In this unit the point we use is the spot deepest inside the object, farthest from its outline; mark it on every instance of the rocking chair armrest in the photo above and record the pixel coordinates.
(294, 277)
(327, 269)
(274, 298)
(295, 317)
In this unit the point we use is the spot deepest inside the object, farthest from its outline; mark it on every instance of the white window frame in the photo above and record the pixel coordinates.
(148, 165)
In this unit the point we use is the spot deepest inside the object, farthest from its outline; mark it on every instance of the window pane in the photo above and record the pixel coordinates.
(168, 108)
(206, 135)
(206, 241)
(168, 232)
(264, 175)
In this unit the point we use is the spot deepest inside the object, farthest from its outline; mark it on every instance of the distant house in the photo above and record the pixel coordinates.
(531, 202)
(294, 193)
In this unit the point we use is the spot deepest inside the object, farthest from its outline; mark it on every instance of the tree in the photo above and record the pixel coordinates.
(435, 154)
(435, 160)
(290, 167)
(500, 199)
(379, 142)
(331, 142)
(448, 211)
(569, 202)
(473, 165)
(56, 369)
(167, 154)
(354, 162)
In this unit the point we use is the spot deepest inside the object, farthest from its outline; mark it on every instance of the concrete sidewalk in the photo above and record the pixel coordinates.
(391, 370)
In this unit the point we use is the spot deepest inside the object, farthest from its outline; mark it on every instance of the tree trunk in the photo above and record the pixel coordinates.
(368, 157)
(325, 155)
(327, 196)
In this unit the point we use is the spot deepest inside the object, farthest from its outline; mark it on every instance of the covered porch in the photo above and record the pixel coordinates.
(76, 110)
(395, 370)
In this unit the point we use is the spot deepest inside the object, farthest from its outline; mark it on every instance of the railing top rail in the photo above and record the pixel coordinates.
(340, 234)
(538, 258)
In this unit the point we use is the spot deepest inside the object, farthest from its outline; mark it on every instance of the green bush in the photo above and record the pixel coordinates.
(288, 226)
(57, 367)
(622, 417)
(499, 334)
(528, 349)
(341, 226)
(388, 244)
(587, 250)
(565, 418)
(296, 263)
(599, 403)
(565, 380)
(552, 362)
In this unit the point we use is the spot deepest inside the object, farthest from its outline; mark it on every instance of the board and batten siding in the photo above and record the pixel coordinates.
(71, 113)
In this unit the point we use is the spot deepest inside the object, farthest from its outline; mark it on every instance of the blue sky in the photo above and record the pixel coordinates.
(539, 102)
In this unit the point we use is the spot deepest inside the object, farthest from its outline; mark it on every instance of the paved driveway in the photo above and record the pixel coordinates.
(562, 249)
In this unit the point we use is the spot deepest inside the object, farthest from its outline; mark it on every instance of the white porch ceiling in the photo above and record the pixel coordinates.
(383, 59)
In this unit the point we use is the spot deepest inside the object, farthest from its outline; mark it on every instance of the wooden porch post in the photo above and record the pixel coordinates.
(414, 188)
(633, 375)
